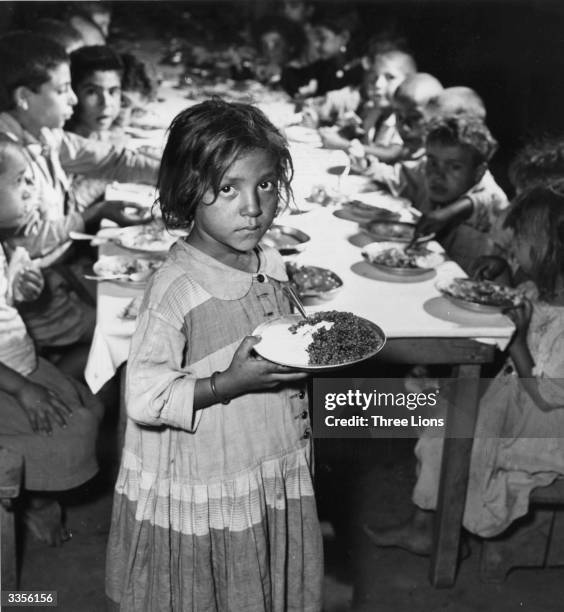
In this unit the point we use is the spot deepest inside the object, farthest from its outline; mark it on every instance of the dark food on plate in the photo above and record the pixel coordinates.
(483, 292)
(391, 230)
(395, 257)
(372, 212)
(348, 339)
(311, 279)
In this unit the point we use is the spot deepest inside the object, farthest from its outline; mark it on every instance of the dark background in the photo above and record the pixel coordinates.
(510, 51)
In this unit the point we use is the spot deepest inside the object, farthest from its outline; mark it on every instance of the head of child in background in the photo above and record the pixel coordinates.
(279, 40)
(458, 150)
(36, 84)
(540, 162)
(91, 19)
(409, 103)
(59, 31)
(298, 11)
(333, 30)
(224, 172)
(458, 100)
(139, 83)
(96, 74)
(387, 69)
(18, 196)
(536, 218)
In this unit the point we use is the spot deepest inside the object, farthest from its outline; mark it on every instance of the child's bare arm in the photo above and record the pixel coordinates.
(437, 219)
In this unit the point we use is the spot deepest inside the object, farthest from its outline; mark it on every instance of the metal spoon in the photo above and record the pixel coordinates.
(295, 300)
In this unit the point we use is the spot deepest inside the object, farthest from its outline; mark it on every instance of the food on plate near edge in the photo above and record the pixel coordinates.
(310, 280)
(483, 292)
(334, 338)
(397, 257)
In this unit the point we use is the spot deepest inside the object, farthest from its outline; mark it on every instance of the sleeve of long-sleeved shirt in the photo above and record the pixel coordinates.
(159, 390)
(80, 155)
(42, 237)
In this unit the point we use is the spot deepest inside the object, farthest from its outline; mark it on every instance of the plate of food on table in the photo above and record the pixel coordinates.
(152, 238)
(481, 296)
(397, 231)
(394, 258)
(325, 340)
(125, 270)
(313, 282)
(286, 239)
(361, 212)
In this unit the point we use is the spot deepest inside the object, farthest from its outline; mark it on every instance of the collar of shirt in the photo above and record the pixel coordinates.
(221, 281)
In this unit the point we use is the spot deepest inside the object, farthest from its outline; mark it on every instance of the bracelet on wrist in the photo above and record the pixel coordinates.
(214, 389)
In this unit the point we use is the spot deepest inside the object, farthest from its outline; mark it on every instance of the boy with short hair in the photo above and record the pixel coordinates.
(36, 99)
(457, 100)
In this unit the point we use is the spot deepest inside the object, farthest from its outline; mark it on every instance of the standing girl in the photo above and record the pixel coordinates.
(214, 506)
(519, 438)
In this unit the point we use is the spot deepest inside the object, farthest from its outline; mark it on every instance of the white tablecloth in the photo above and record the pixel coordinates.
(404, 308)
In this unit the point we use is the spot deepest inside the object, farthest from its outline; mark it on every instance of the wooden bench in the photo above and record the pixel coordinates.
(11, 473)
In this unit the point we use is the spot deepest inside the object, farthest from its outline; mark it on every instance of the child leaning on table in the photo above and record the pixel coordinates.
(519, 439)
(36, 99)
(235, 526)
(48, 418)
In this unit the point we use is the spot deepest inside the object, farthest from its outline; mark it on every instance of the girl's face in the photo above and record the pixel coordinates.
(51, 106)
(17, 193)
(99, 100)
(383, 79)
(329, 44)
(237, 219)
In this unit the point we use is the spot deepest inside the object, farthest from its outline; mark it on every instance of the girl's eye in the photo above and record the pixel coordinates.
(267, 186)
(226, 190)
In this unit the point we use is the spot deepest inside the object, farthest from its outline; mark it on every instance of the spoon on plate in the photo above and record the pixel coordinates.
(295, 300)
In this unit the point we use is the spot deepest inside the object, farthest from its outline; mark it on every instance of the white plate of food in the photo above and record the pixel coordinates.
(126, 270)
(152, 238)
(479, 296)
(391, 257)
(285, 238)
(324, 341)
(313, 282)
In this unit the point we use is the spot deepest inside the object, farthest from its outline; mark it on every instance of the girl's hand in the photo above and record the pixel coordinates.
(43, 407)
(521, 317)
(249, 372)
(433, 222)
(331, 139)
(491, 267)
(28, 284)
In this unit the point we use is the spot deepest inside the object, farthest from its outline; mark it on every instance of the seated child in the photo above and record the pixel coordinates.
(540, 162)
(519, 439)
(35, 101)
(375, 132)
(91, 19)
(48, 418)
(333, 70)
(280, 43)
(96, 74)
(301, 12)
(461, 201)
(409, 105)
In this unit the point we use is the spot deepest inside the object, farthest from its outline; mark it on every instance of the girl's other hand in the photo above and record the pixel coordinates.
(521, 317)
(250, 372)
(491, 267)
(28, 284)
(43, 407)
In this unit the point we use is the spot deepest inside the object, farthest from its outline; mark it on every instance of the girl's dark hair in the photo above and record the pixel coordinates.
(537, 214)
(26, 59)
(203, 142)
(86, 60)
(539, 161)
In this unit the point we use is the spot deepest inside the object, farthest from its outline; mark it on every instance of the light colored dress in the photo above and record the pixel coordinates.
(517, 447)
(67, 458)
(214, 509)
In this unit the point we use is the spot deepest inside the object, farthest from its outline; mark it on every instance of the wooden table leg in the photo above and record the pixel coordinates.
(460, 426)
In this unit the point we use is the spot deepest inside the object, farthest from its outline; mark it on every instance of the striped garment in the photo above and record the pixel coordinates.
(214, 509)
